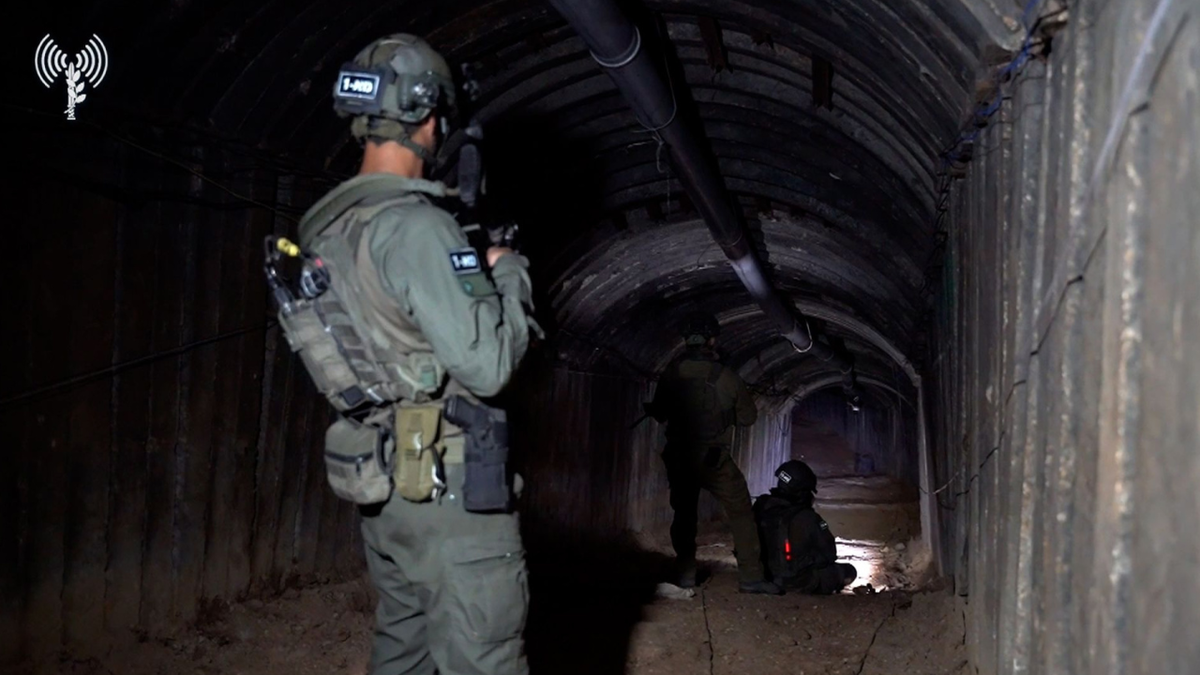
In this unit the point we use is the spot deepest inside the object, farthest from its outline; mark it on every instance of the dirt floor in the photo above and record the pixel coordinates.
(718, 631)
(603, 612)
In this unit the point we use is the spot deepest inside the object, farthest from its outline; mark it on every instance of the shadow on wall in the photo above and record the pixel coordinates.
(591, 483)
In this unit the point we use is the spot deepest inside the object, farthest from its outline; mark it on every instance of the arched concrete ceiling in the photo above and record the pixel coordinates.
(842, 198)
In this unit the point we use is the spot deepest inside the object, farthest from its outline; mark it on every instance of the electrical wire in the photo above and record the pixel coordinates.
(1125, 108)
(277, 161)
(953, 153)
(199, 174)
(113, 370)
(181, 164)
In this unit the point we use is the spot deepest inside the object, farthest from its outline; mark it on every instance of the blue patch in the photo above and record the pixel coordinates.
(358, 85)
(465, 261)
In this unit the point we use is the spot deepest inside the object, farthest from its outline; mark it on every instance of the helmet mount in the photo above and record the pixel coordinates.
(392, 87)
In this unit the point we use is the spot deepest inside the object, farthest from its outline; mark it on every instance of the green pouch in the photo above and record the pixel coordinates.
(356, 461)
(312, 330)
(418, 450)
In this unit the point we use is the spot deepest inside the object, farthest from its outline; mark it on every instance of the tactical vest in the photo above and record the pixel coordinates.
(699, 411)
(353, 339)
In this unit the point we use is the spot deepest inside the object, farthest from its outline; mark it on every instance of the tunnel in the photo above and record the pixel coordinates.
(951, 246)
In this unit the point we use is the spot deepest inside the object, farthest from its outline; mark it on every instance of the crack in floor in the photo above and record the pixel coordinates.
(708, 628)
(863, 663)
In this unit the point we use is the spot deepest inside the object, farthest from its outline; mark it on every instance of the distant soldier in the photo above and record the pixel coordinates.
(799, 551)
(701, 400)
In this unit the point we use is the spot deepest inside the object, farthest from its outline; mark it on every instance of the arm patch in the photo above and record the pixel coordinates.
(477, 285)
(465, 261)
(469, 269)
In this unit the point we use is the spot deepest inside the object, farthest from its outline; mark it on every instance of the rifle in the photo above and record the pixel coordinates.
(472, 187)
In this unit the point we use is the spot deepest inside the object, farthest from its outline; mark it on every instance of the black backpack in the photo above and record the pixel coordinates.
(774, 517)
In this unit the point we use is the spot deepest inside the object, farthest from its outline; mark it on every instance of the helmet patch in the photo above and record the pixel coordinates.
(358, 85)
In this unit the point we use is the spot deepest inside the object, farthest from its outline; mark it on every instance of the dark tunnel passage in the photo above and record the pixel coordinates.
(987, 207)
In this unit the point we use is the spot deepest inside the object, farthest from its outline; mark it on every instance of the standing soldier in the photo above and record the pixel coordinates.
(701, 400)
(404, 330)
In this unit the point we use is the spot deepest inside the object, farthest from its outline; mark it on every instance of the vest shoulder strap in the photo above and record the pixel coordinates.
(372, 193)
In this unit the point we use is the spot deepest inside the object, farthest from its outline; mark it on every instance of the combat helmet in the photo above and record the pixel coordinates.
(391, 87)
(796, 477)
(699, 328)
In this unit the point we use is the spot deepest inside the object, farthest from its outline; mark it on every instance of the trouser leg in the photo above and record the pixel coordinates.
(400, 644)
(481, 606)
(685, 499)
(821, 580)
(466, 576)
(726, 482)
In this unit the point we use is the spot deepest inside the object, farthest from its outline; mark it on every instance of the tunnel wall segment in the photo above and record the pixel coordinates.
(163, 443)
(1065, 368)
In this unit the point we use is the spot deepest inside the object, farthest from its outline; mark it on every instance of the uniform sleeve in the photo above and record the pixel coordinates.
(746, 412)
(826, 544)
(478, 331)
(818, 541)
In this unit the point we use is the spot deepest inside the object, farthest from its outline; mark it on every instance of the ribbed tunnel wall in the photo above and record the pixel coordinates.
(1065, 364)
(1038, 313)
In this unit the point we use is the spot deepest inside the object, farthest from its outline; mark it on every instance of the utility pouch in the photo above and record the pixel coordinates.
(309, 333)
(419, 472)
(357, 461)
(486, 487)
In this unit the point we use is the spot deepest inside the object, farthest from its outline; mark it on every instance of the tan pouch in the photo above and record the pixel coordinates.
(418, 437)
(356, 462)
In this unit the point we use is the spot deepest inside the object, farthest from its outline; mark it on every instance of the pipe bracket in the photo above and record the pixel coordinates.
(623, 60)
(811, 342)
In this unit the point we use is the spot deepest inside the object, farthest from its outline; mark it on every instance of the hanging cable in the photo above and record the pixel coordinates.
(181, 164)
(953, 153)
(110, 371)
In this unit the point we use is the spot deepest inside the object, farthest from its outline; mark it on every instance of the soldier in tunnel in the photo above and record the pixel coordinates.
(701, 400)
(799, 551)
(407, 334)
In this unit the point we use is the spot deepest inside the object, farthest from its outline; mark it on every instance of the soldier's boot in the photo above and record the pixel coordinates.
(849, 573)
(762, 587)
(687, 575)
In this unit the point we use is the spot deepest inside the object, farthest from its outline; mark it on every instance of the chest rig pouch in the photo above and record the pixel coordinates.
(324, 322)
